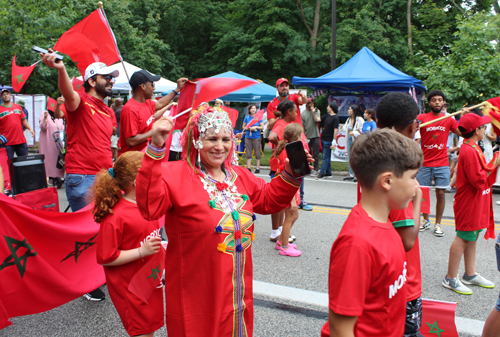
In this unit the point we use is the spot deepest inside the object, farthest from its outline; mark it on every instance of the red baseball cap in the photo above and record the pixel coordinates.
(281, 80)
(471, 122)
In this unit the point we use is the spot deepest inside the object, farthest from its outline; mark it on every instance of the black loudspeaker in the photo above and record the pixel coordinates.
(27, 173)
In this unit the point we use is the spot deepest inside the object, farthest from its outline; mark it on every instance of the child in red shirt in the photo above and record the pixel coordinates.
(125, 243)
(472, 206)
(367, 279)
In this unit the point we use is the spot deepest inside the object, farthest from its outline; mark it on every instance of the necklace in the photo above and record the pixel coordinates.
(128, 199)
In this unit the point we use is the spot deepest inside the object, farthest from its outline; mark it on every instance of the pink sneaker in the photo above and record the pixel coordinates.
(290, 251)
(278, 245)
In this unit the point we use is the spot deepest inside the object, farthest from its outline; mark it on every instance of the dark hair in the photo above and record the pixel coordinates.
(370, 113)
(333, 105)
(356, 110)
(250, 106)
(362, 108)
(433, 93)
(291, 133)
(466, 135)
(283, 108)
(396, 109)
(86, 84)
(383, 150)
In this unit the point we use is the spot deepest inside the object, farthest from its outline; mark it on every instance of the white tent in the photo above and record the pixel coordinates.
(121, 84)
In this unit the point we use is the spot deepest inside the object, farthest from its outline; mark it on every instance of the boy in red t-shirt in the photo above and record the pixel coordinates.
(367, 279)
(472, 206)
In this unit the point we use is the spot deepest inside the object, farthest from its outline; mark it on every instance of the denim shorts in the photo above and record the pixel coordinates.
(441, 176)
(77, 188)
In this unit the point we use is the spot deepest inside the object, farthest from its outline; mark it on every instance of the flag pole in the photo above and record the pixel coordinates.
(451, 115)
(114, 39)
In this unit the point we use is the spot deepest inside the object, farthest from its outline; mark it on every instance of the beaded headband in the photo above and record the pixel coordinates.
(212, 120)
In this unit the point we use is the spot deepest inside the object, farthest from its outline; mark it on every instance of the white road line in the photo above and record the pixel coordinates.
(328, 180)
(464, 325)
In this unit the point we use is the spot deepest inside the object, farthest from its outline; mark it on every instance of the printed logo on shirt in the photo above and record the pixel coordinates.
(487, 191)
(150, 120)
(435, 128)
(93, 109)
(6, 113)
(398, 284)
(435, 146)
(153, 234)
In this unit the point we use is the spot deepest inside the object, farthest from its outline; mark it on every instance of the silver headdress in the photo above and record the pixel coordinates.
(213, 121)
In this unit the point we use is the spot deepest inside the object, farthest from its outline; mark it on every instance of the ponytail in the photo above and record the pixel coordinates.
(291, 133)
(280, 147)
(283, 108)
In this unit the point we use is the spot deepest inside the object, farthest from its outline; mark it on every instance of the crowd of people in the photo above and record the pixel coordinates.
(122, 168)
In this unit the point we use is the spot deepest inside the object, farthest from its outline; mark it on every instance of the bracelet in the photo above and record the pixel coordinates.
(139, 249)
(155, 152)
(176, 92)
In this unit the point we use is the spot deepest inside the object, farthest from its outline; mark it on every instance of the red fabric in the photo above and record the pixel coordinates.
(11, 124)
(45, 199)
(51, 105)
(210, 307)
(494, 114)
(90, 40)
(233, 114)
(367, 266)
(404, 218)
(211, 88)
(20, 74)
(258, 116)
(125, 229)
(438, 319)
(472, 204)
(5, 168)
(136, 118)
(278, 128)
(185, 102)
(77, 85)
(273, 106)
(56, 254)
(434, 139)
(426, 199)
(4, 317)
(89, 129)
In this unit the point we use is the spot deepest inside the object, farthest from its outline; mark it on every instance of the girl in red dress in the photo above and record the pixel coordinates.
(125, 243)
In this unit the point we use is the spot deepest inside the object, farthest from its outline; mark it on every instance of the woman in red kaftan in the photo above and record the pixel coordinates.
(210, 222)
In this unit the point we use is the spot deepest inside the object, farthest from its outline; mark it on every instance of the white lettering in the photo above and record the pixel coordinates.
(486, 192)
(150, 120)
(435, 146)
(398, 284)
(154, 234)
(435, 128)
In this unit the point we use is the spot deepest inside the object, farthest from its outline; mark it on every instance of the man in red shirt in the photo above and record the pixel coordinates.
(89, 126)
(434, 138)
(140, 112)
(283, 88)
(12, 120)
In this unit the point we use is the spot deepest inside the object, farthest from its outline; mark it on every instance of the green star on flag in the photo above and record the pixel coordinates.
(154, 272)
(19, 78)
(435, 329)
(20, 74)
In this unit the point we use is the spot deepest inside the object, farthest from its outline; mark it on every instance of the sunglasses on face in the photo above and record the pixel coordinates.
(109, 78)
(413, 121)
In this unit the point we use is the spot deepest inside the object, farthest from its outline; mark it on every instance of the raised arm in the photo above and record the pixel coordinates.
(161, 103)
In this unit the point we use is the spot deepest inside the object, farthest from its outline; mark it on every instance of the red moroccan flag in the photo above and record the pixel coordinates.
(438, 319)
(426, 200)
(209, 89)
(258, 116)
(77, 85)
(91, 40)
(493, 110)
(186, 98)
(233, 114)
(46, 258)
(4, 318)
(20, 74)
(51, 105)
(148, 278)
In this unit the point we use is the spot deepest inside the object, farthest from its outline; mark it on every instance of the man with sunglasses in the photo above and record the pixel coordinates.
(140, 112)
(89, 126)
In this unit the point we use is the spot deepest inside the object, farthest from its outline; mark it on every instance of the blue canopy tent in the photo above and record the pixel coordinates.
(256, 93)
(364, 72)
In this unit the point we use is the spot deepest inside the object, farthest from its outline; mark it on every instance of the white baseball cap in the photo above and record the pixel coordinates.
(99, 68)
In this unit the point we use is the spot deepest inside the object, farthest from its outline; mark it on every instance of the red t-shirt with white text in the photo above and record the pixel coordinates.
(473, 198)
(368, 275)
(404, 218)
(278, 129)
(126, 229)
(136, 118)
(11, 124)
(89, 129)
(273, 106)
(434, 138)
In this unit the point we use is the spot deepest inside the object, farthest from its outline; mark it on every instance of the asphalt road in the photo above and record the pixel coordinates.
(278, 316)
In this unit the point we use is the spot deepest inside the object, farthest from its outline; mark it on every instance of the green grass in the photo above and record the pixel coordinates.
(264, 161)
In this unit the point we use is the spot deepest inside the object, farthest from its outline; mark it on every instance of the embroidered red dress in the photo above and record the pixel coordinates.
(208, 266)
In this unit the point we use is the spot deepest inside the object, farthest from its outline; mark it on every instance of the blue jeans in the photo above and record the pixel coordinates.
(302, 193)
(326, 165)
(350, 139)
(441, 176)
(19, 149)
(77, 188)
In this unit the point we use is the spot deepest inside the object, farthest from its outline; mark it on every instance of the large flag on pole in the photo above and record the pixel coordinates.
(91, 40)
(46, 258)
(209, 89)
(20, 74)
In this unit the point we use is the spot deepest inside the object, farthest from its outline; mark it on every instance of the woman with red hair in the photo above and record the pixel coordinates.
(209, 205)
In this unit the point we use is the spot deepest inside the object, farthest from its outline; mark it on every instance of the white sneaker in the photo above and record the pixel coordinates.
(455, 285)
(478, 280)
(275, 234)
(438, 231)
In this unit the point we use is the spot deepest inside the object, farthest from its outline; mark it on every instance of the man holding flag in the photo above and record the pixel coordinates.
(89, 126)
(140, 112)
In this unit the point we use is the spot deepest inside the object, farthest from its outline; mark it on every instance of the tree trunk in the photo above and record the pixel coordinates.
(408, 21)
(315, 29)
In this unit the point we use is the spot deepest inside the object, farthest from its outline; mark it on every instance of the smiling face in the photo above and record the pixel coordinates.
(253, 110)
(103, 86)
(216, 148)
(403, 189)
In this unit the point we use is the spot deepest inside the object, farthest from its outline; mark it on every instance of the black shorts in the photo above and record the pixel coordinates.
(413, 318)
